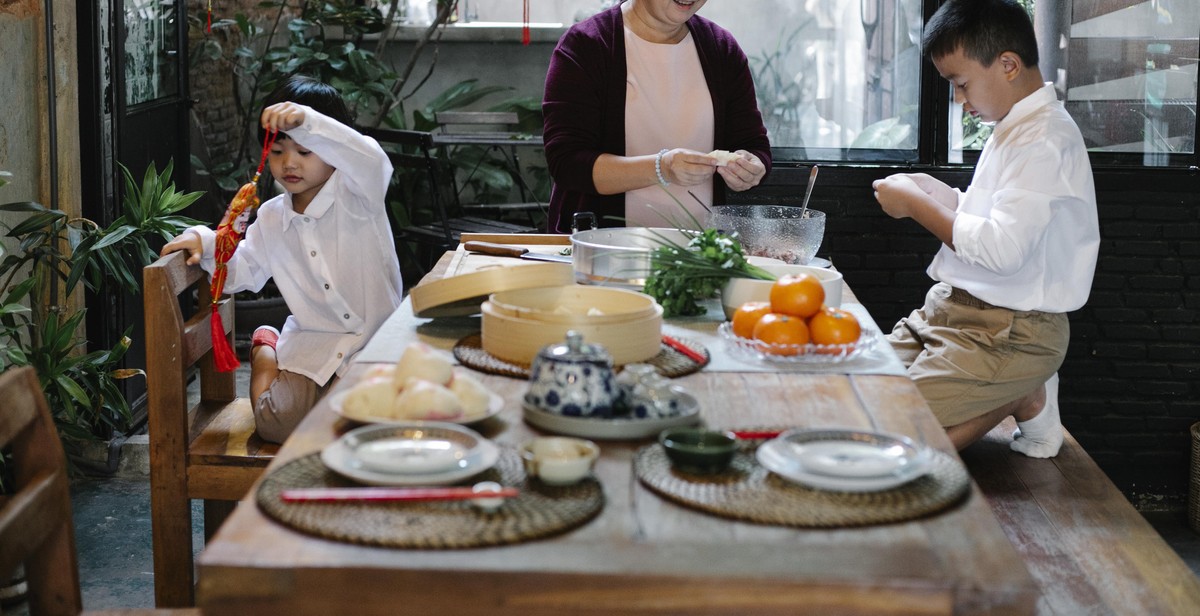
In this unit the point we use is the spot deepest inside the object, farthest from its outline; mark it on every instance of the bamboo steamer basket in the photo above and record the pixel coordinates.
(461, 295)
(630, 337)
(570, 305)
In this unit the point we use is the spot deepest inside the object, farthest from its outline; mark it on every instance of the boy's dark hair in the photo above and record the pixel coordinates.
(983, 29)
(310, 92)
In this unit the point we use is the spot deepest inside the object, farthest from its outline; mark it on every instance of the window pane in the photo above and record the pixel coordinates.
(1126, 71)
(836, 79)
(151, 46)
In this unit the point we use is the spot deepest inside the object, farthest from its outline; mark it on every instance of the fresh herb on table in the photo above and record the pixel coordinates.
(681, 276)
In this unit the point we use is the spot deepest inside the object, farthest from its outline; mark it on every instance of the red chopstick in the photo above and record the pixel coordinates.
(328, 495)
(756, 434)
(685, 349)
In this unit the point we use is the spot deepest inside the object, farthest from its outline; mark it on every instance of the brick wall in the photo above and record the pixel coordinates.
(1131, 381)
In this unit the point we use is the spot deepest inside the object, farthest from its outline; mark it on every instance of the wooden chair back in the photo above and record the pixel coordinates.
(35, 521)
(208, 451)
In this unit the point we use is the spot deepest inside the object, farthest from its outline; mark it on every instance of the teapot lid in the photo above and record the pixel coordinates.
(575, 350)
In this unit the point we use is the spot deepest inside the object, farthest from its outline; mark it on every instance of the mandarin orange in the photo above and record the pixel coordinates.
(798, 295)
(834, 326)
(781, 334)
(747, 316)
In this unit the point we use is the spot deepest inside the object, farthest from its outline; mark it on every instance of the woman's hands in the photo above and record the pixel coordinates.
(283, 117)
(689, 168)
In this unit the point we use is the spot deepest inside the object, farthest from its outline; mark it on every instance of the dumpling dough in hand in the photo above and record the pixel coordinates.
(724, 157)
(474, 397)
(422, 399)
(371, 398)
(421, 361)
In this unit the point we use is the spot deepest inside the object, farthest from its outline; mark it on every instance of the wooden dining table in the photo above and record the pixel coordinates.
(643, 554)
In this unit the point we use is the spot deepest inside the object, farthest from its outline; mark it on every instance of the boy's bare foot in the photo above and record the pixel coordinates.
(1041, 436)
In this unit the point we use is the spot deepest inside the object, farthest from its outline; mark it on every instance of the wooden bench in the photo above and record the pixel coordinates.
(210, 451)
(1090, 551)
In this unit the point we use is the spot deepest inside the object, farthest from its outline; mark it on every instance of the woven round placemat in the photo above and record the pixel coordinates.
(747, 491)
(539, 511)
(669, 362)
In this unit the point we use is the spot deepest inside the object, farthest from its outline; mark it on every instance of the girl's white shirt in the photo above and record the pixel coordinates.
(335, 265)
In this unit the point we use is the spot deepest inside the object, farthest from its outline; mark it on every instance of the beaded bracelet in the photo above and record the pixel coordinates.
(658, 167)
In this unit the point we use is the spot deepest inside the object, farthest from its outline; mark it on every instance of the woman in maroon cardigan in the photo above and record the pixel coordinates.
(603, 77)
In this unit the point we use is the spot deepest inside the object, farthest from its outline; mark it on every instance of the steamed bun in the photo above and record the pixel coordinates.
(372, 397)
(423, 362)
(421, 399)
(473, 396)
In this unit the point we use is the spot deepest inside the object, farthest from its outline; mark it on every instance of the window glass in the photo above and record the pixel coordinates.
(151, 44)
(836, 79)
(1126, 71)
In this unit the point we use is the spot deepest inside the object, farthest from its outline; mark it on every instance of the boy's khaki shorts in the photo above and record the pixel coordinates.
(280, 408)
(968, 357)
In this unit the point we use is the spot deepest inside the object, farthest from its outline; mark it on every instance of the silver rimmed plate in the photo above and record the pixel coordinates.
(337, 400)
(414, 453)
(845, 460)
(613, 429)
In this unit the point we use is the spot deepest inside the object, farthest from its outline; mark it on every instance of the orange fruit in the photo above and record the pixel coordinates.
(834, 326)
(747, 316)
(781, 329)
(798, 295)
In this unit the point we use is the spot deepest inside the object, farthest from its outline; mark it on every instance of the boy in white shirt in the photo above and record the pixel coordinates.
(1018, 247)
(326, 242)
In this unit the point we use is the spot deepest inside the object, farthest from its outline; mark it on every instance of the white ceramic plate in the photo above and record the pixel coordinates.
(362, 453)
(495, 404)
(845, 460)
(612, 429)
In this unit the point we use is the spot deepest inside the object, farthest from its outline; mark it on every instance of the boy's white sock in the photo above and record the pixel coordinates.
(1042, 436)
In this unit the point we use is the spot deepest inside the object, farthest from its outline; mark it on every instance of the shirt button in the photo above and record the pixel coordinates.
(339, 355)
(346, 316)
(306, 219)
(312, 254)
(327, 286)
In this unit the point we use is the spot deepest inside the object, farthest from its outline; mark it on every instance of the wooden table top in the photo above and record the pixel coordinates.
(643, 554)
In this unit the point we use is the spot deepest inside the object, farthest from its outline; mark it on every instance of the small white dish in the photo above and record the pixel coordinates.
(559, 460)
(472, 455)
(621, 428)
(336, 400)
(404, 454)
(845, 460)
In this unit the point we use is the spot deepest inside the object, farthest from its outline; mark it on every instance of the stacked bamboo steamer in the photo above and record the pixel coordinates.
(518, 323)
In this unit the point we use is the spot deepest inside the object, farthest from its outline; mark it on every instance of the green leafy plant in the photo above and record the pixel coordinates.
(37, 326)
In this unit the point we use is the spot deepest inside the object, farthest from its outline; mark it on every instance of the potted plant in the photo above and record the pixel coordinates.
(38, 326)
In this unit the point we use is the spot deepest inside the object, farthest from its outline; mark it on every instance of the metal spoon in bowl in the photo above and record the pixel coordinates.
(812, 179)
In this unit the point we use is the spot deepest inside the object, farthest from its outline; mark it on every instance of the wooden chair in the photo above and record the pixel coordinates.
(426, 238)
(35, 521)
(209, 452)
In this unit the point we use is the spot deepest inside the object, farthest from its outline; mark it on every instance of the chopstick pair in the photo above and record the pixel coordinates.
(330, 495)
(684, 349)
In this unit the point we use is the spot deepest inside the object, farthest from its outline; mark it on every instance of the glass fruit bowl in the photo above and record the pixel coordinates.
(745, 348)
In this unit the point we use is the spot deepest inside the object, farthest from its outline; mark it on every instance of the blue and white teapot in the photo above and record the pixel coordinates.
(574, 379)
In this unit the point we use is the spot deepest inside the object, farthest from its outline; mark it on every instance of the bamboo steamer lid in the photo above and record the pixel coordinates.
(461, 295)
(518, 339)
(574, 304)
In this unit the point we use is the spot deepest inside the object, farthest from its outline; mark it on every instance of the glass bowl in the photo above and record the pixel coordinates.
(773, 231)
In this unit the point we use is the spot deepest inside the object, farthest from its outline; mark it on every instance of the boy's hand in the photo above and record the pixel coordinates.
(186, 241)
(897, 194)
(283, 117)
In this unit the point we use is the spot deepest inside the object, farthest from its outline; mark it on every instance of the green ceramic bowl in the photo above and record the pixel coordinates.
(697, 450)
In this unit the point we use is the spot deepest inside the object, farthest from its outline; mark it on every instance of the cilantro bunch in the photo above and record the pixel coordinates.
(682, 275)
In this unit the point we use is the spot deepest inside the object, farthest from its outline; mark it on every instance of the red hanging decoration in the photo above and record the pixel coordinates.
(208, 26)
(525, 23)
(229, 233)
